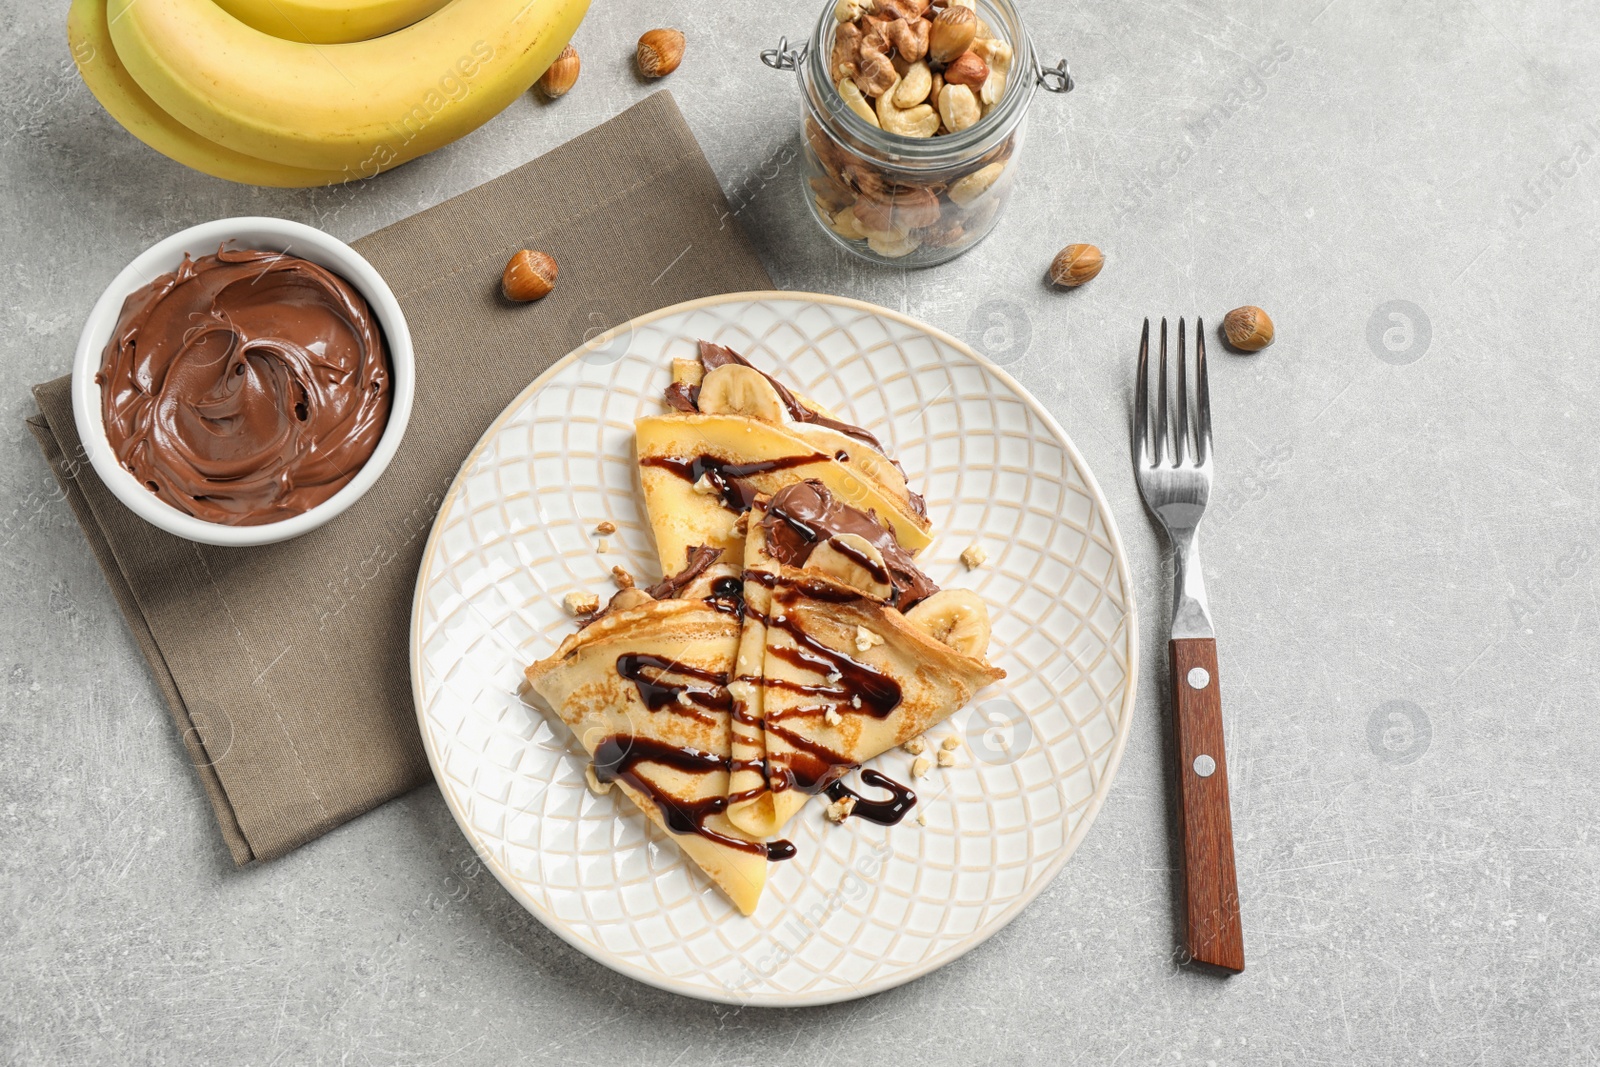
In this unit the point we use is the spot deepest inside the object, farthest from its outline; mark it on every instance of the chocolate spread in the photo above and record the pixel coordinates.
(803, 515)
(245, 387)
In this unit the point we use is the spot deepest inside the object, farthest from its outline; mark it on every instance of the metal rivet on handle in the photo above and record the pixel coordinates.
(1204, 765)
(1199, 678)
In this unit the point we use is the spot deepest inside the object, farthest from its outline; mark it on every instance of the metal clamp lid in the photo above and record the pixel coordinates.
(1056, 79)
(783, 57)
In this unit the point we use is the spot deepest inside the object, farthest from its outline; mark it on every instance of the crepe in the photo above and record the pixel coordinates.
(843, 675)
(643, 690)
(735, 433)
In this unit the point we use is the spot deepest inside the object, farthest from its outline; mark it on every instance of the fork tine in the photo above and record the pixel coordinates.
(1180, 446)
(1161, 401)
(1202, 395)
(1141, 405)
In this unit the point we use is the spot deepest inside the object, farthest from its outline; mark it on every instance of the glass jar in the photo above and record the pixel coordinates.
(913, 201)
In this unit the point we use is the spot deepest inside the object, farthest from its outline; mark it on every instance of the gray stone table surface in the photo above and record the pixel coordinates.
(1401, 561)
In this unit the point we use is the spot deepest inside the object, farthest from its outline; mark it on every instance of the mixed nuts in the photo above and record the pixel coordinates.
(916, 70)
(919, 70)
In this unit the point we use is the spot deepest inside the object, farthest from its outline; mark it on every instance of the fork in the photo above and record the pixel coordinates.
(1174, 474)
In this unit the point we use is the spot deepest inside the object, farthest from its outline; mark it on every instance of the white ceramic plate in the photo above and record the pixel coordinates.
(862, 908)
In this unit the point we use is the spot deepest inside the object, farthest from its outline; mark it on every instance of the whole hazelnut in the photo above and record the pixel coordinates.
(1076, 264)
(660, 52)
(967, 69)
(561, 75)
(529, 276)
(1249, 329)
(952, 33)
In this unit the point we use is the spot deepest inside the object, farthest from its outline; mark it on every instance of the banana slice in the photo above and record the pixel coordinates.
(853, 560)
(735, 390)
(954, 617)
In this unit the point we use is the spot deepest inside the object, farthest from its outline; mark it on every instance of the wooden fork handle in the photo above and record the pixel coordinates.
(1212, 932)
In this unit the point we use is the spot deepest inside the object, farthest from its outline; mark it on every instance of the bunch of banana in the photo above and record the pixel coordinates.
(311, 92)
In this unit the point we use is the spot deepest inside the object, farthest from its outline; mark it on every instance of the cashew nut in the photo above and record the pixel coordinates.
(914, 86)
(993, 90)
(958, 107)
(967, 189)
(998, 55)
(850, 10)
(919, 121)
(893, 246)
(851, 93)
(994, 52)
(846, 225)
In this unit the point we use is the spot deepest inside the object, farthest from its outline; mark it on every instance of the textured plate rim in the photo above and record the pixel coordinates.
(893, 979)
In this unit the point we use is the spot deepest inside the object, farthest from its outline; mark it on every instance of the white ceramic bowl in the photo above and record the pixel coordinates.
(280, 235)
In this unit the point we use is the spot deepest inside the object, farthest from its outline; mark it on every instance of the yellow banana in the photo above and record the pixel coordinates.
(329, 21)
(121, 96)
(360, 107)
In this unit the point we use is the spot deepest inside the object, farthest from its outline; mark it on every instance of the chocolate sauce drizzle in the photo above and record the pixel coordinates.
(618, 758)
(805, 515)
(713, 356)
(727, 478)
(657, 691)
(883, 812)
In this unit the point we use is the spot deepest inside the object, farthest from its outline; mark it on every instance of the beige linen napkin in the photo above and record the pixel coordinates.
(286, 666)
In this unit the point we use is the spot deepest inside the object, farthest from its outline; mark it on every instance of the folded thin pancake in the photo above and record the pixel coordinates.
(733, 433)
(747, 784)
(844, 675)
(644, 690)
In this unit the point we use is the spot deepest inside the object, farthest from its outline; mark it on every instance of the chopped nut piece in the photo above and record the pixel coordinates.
(947, 759)
(950, 742)
(866, 639)
(834, 677)
(596, 786)
(831, 716)
(922, 818)
(602, 545)
(840, 809)
(581, 603)
(974, 555)
(606, 527)
(855, 702)
(919, 767)
(916, 746)
(704, 487)
(623, 579)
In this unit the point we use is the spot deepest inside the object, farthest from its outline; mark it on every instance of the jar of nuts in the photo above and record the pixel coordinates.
(913, 117)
